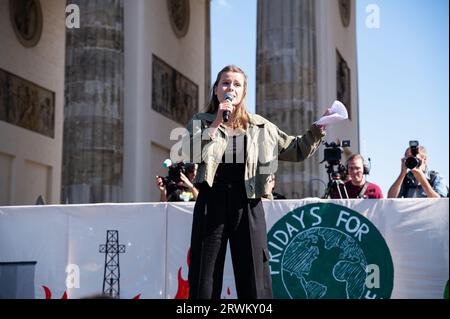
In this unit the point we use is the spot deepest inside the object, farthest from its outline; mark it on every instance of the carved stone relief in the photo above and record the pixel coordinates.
(173, 94)
(26, 104)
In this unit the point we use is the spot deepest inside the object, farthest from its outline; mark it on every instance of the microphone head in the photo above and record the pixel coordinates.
(228, 97)
(167, 163)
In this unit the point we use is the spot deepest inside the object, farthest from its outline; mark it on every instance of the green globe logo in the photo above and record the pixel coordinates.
(324, 250)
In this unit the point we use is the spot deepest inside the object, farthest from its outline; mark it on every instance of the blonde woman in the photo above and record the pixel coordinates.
(236, 159)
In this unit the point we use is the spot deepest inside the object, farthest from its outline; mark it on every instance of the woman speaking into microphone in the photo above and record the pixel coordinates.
(238, 153)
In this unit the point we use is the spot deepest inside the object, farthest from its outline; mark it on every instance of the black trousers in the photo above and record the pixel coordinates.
(224, 213)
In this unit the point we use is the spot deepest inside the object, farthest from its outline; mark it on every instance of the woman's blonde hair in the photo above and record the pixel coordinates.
(238, 120)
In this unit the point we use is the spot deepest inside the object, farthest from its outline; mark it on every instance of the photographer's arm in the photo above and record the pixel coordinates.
(194, 192)
(162, 189)
(163, 197)
(394, 190)
(422, 179)
(189, 185)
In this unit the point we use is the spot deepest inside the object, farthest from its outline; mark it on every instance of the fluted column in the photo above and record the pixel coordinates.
(93, 112)
(286, 76)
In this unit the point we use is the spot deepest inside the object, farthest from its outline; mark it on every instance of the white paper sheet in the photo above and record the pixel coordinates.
(338, 113)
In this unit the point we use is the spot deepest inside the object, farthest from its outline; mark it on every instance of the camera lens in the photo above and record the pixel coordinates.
(412, 162)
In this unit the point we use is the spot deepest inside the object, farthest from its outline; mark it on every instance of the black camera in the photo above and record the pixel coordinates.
(174, 176)
(413, 161)
(175, 191)
(333, 151)
(335, 170)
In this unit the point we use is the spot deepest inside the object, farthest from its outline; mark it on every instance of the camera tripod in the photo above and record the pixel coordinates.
(335, 182)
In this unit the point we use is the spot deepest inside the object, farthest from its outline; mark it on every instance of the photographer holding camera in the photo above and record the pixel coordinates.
(178, 185)
(357, 186)
(418, 181)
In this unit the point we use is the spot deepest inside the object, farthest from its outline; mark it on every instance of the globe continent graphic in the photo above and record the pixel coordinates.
(324, 263)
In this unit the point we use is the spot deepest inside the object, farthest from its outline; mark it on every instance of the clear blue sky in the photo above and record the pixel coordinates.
(403, 76)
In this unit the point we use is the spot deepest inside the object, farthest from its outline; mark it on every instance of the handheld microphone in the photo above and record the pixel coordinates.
(226, 114)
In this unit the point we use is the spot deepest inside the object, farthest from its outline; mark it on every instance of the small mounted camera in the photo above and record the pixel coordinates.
(333, 152)
(336, 171)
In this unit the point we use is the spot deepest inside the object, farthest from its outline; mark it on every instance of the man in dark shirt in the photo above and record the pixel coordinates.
(357, 186)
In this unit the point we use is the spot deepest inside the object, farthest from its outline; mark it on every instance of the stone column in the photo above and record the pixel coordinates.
(92, 169)
(286, 76)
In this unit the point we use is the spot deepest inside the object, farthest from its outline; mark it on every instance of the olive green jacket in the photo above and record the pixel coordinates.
(266, 144)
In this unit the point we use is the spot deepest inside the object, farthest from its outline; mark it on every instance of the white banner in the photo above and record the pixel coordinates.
(63, 249)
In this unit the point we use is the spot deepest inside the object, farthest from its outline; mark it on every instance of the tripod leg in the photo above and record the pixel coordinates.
(339, 190)
(345, 189)
(326, 194)
(327, 191)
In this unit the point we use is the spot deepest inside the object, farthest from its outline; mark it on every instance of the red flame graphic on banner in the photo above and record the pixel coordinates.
(48, 294)
(183, 285)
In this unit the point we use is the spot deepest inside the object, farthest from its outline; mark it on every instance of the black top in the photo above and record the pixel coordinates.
(232, 170)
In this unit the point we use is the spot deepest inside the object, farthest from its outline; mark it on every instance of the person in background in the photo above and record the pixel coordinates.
(357, 185)
(182, 191)
(418, 181)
